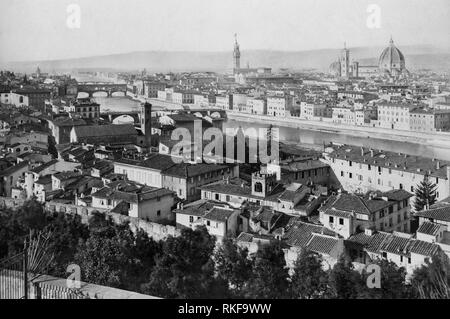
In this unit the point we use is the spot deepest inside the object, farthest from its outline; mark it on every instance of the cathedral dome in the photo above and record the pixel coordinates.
(391, 60)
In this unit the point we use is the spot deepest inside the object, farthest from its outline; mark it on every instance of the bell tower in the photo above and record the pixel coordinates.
(236, 56)
(345, 62)
(146, 122)
(263, 183)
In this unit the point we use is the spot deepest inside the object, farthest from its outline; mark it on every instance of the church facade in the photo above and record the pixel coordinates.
(391, 63)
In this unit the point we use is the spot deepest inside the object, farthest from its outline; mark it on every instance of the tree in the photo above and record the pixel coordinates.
(344, 281)
(185, 269)
(425, 194)
(233, 266)
(432, 280)
(392, 282)
(309, 280)
(269, 278)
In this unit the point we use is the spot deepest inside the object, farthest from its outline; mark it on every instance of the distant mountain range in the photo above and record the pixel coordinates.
(417, 57)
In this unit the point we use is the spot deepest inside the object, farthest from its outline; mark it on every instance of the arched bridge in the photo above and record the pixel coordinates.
(93, 87)
(112, 115)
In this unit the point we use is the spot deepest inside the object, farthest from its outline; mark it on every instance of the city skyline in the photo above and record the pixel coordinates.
(144, 26)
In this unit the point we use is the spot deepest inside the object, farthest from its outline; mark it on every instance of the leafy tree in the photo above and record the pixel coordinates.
(67, 231)
(233, 266)
(185, 269)
(392, 282)
(425, 194)
(309, 280)
(432, 280)
(344, 281)
(270, 274)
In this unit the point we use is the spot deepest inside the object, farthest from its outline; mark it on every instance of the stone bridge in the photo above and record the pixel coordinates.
(93, 87)
(112, 115)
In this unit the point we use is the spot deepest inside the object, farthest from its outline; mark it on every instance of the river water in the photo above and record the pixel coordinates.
(307, 138)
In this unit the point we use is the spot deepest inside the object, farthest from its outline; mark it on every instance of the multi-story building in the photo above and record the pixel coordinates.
(347, 214)
(358, 169)
(239, 101)
(224, 102)
(426, 120)
(313, 111)
(183, 97)
(279, 106)
(256, 106)
(85, 108)
(151, 88)
(36, 97)
(394, 115)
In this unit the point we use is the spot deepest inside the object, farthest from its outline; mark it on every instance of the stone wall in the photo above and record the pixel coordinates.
(154, 230)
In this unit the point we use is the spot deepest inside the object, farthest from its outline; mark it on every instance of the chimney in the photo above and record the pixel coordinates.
(371, 153)
(368, 231)
(438, 165)
(362, 151)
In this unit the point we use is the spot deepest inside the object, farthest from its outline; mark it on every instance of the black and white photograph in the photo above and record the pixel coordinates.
(222, 155)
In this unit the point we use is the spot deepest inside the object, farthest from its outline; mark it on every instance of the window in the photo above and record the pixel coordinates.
(409, 260)
(412, 189)
(342, 173)
(217, 196)
(191, 219)
(227, 198)
(208, 223)
(341, 221)
(350, 175)
(331, 219)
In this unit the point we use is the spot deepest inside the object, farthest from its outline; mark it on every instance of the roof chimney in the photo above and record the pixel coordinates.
(371, 153)
(368, 231)
(362, 151)
(438, 165)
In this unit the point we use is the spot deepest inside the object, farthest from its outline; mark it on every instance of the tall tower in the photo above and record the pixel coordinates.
(345, 62)
(236, 55)
(146, 122)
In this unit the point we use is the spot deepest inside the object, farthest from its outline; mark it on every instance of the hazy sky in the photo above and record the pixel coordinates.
(37, 29)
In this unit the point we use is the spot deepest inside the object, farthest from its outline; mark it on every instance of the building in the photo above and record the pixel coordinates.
(256, 106)
(10, 176)
(224, 102)
(429, 120)
(61, 128)
(35, 97)
(84, 108)
(391, 63)
(313, 111)
(149, 203)
(182, 178)
(394, 116)
(279, 106)
(151, 88)
(220, 220)
(359, 169)
(105, 134)
(347, 214)
(399, 248)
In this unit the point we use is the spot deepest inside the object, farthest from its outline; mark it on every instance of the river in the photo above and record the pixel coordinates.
(307, 138)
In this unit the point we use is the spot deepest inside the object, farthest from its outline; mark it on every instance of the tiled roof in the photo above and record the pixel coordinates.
(155, 161)
(399, 245)
(219, 214)
(40, 168)
(394, 161)
(299, 233)
(442, 214)
(429, 228)
(14, 168)
(105, 130)
(186, 170)
(338, 213)
(322, 244)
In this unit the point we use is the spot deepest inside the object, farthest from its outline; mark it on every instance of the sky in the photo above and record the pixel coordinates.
(38, 30)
